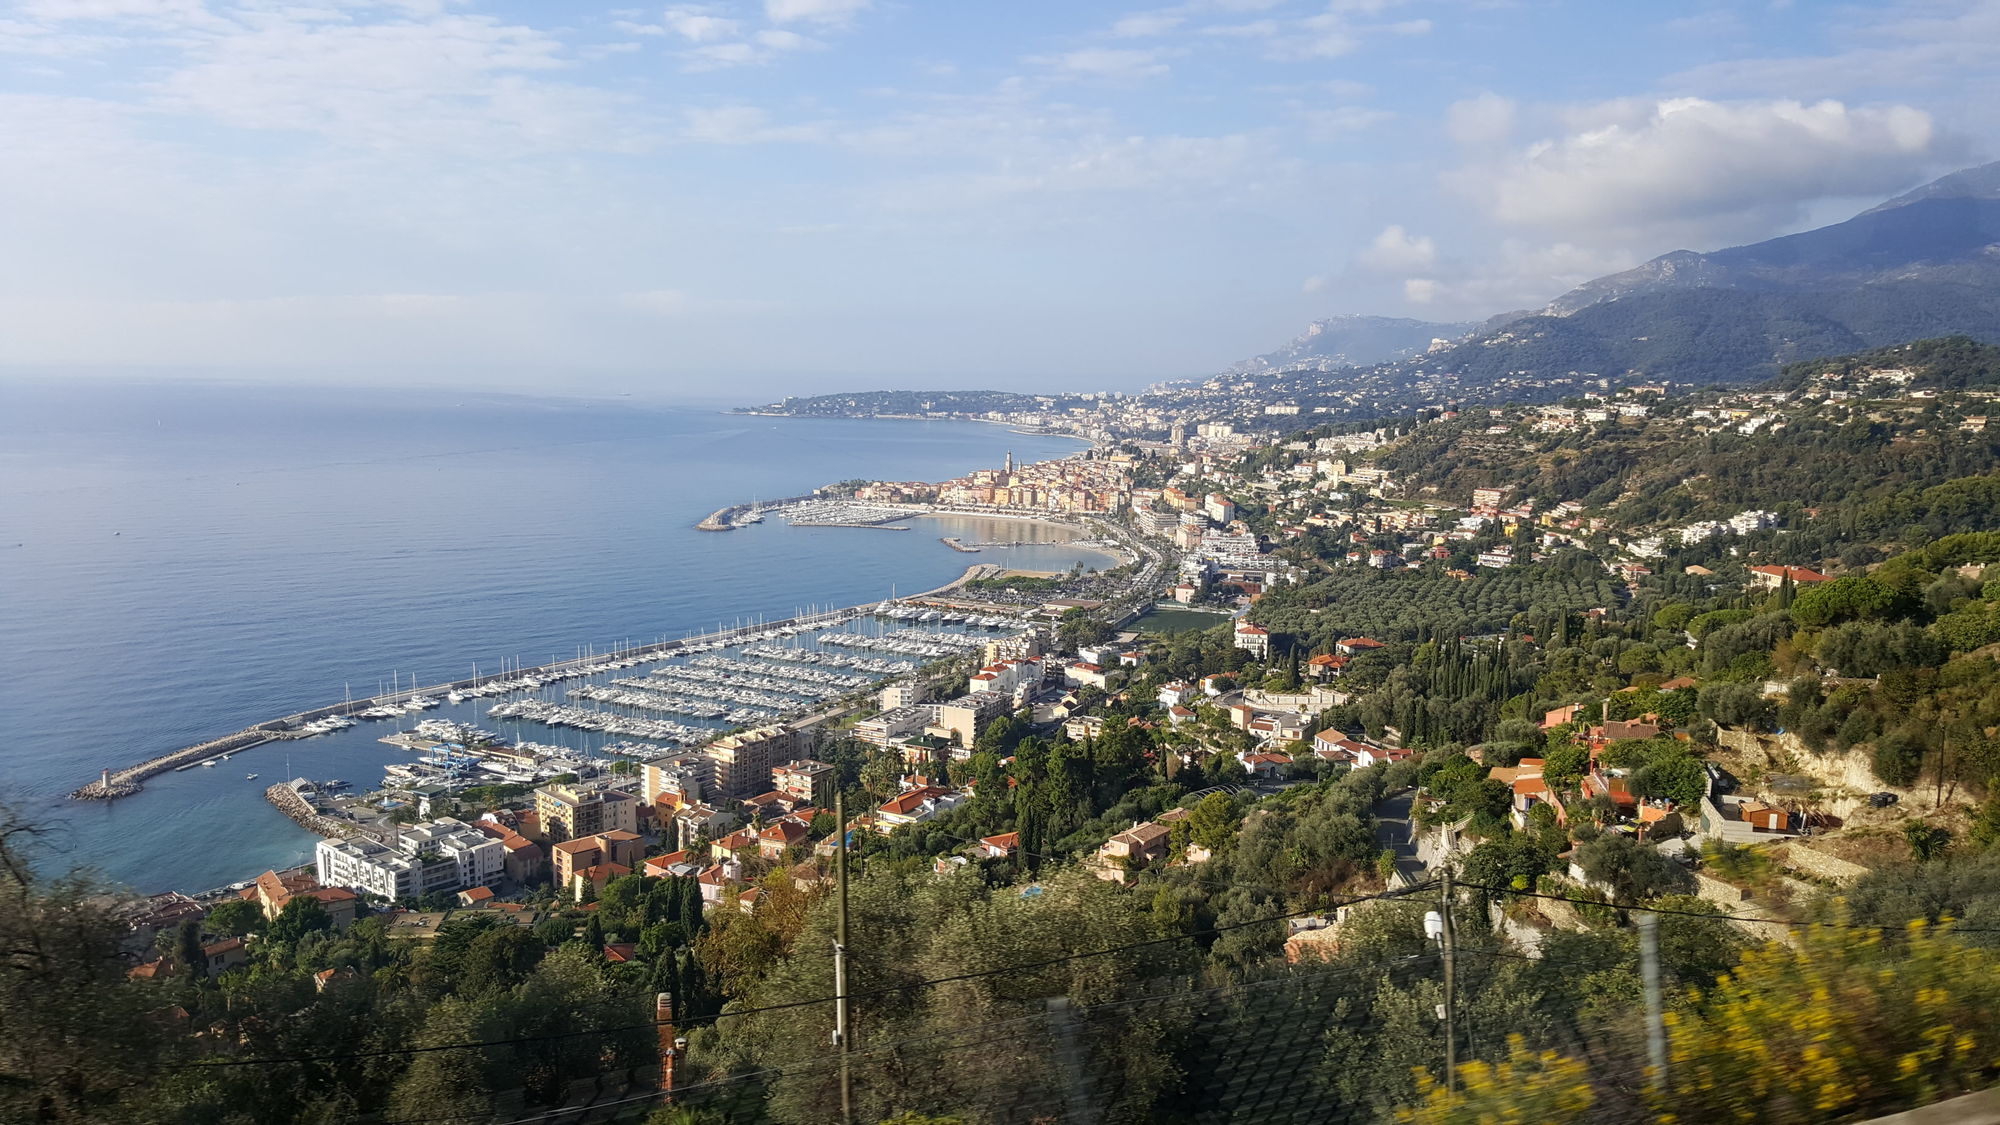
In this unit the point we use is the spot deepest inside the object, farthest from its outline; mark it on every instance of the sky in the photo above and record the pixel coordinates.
(744, 197)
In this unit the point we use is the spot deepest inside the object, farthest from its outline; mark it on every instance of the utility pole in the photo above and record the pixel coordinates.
(840, 1028)
(663, 1015)
(1450, 949)
(1649, 978)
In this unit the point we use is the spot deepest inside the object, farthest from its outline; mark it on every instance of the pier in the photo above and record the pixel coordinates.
(116, 783)
(125, 782)
(301, 812)
(952, 542)
(737, 515)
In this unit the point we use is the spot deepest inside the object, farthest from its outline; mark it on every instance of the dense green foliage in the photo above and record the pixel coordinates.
(1412, 605)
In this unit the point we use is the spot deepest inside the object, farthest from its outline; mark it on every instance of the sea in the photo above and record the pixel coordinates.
(181, 560)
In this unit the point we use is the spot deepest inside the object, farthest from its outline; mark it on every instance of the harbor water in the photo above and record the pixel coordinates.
(178, 562)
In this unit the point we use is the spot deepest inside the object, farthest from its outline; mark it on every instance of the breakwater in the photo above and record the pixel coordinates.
(125, 782)
(736, 515)
(301, 812)
(128, 781)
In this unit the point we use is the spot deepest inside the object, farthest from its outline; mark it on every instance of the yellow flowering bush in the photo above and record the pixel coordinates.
(1840, 1025)
(1527, 1088)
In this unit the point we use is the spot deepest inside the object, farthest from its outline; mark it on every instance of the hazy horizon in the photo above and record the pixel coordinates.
(741, 199)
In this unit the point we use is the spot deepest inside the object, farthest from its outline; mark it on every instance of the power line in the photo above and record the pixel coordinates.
(1025, 1025)
(1071, 859)
(698, 1020)
(1714, 917)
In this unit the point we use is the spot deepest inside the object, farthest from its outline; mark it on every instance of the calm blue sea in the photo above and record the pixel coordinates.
(177, 562)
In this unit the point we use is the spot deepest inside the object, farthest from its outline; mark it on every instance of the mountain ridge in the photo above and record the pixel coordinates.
(1353, 340)
(1923, 264)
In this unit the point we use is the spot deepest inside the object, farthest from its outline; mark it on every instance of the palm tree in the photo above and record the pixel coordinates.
(1927, 842)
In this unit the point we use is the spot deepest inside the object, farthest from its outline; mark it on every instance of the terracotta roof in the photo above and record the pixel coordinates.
(914, 799)
(1142, 834)
(784, 832)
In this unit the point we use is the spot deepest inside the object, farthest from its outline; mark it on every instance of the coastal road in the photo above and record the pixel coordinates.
(1393, 833)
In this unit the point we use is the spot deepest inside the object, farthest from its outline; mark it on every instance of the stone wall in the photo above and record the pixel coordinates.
(1818, 865)
(304, 815)
(1848, 777)
(1726, 895)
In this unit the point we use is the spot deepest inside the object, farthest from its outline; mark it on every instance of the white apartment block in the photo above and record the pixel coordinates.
(444, 855)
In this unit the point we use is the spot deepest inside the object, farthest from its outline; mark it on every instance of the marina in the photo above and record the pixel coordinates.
(445, 576)
(691, 691)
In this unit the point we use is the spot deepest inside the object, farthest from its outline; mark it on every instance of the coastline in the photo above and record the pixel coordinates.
(472, 561)
(119, 783)
(1012, 427)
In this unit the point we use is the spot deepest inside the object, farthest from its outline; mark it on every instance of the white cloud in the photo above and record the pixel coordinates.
(781, 40)
(1142, 25)
(1314, 284)
(1691, 165)
(716, 56)
(744, 125)
(1341, 121)
(1516, 274)
(1487, 119)
(1207, 172)
(450, 83)
(110, 11)
(1324, 36)
(1109, 62)
(815, 11)
(1395, 250)
(720, 42)
(1334, 33)
(1255, 29)
(698, 26)
(1948, 44)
